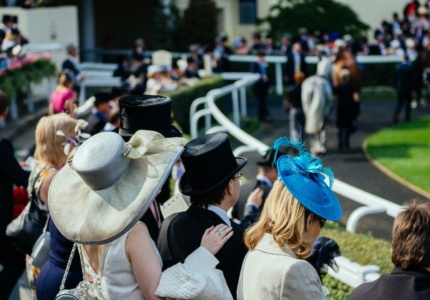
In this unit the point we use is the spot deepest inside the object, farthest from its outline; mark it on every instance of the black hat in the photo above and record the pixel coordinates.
(14, 19)
(117, 91)
(6, 19)
(102, 97)
(209, 162)
(269, 157)
(147, 112)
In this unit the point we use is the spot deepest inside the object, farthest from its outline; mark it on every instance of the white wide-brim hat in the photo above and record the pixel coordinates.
(107, 186)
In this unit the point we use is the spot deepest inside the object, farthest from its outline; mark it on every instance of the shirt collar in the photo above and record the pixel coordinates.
(221, 213)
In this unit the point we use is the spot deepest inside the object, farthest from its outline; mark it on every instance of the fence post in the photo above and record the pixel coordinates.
(279, 79)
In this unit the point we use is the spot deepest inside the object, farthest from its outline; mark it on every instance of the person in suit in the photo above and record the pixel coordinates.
(11, 260)
(403, 82)
(295, 63)
(261, 88)
(280, 241)
(149, 113)
(212, 180)
(98, 117)
(71, 64)
(266, 176)
(192, 69)
(410, 254)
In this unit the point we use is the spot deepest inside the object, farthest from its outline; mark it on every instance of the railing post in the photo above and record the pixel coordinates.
(279, 79)
(82, 93)
(13, 109)
(243, 107)
(30, 100)
(236, 115)
(208, 119)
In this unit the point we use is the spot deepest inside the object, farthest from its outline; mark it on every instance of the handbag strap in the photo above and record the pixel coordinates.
(66, 272)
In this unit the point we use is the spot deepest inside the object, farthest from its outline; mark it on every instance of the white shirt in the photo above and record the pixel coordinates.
(221, 213)
(264, 179)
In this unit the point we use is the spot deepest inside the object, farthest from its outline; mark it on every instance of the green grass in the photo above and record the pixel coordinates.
(404, 150)
(359, 248)
(378, 92)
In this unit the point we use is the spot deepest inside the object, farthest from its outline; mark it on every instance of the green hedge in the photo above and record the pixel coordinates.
(185, 95)
(359, 248)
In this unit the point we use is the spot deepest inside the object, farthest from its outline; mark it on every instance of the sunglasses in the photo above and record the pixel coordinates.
(322, 221)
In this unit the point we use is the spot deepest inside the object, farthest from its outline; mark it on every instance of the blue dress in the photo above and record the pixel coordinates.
(49, 280)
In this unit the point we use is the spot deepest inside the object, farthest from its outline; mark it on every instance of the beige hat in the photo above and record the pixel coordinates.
(108, 184)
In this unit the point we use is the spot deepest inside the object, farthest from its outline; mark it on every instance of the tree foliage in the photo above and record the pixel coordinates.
(165, 24)
(199, 23)
(314, 15)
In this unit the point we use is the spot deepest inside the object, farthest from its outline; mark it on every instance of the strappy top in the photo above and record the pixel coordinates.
(115, 278)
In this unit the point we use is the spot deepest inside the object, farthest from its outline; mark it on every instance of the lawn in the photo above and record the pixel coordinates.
(404, 149)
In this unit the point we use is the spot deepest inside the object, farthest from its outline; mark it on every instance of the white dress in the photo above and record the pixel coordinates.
(115, 278)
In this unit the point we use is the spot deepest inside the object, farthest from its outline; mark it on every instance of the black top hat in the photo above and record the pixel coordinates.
(147, 112)
(102, 97)
(269, 157)
(209, 162)
(14, 19)
(6, 19)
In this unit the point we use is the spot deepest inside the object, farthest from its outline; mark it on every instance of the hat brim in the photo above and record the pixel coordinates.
(96, 217)
(171, 132)
(315, 196)
(186, 188)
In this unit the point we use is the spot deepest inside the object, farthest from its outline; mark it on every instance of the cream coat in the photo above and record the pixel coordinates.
(270, 272)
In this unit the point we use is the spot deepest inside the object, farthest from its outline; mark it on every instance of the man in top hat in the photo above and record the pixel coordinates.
(266, 176)
(212, 180)
(7, 23)
(98, 117)
(150, 113)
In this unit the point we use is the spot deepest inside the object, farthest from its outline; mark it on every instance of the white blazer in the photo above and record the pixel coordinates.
(270, 272)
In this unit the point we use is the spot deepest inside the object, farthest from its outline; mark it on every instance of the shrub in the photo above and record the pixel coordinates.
(359, 248)
(185, 95)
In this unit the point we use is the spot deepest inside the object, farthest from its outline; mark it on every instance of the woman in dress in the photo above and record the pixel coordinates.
(55, 136)
(97, 199)
(293, 215)
(63, 98)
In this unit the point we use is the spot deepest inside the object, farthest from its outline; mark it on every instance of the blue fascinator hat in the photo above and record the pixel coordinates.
(303, 176)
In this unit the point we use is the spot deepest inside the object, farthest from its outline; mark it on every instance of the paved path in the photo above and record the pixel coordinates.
(351, 167)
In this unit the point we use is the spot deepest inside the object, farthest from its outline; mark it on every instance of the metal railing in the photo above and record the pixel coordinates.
(350, 273)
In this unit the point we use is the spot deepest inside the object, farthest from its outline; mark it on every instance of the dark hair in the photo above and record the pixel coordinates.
(4, 102)
(411, 237)
(213, 197)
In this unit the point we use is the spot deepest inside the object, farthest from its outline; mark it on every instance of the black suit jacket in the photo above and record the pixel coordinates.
(411, 284)
(95, 124)
(260, 86)
(10, 173)
(182, 233)
(67, 64)
(289, 67)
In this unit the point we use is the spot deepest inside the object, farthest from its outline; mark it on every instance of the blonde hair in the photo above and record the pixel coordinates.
(284, 218)
(49, 145)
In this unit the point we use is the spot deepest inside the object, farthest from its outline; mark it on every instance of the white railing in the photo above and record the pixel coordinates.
(280, 60)
(350, 273)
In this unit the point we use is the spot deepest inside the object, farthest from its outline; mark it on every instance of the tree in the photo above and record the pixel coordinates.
(315, 15)
(165, 24)
(199, 23)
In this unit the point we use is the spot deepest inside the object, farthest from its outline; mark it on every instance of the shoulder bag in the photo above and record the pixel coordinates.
(25, 229)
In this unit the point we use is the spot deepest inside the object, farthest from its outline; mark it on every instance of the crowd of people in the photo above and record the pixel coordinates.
(102, 195)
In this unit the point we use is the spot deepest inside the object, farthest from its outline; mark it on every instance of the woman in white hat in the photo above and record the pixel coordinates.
(96, 201)
(294, 213)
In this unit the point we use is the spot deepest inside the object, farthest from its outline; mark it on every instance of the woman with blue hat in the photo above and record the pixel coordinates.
(279, 242)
